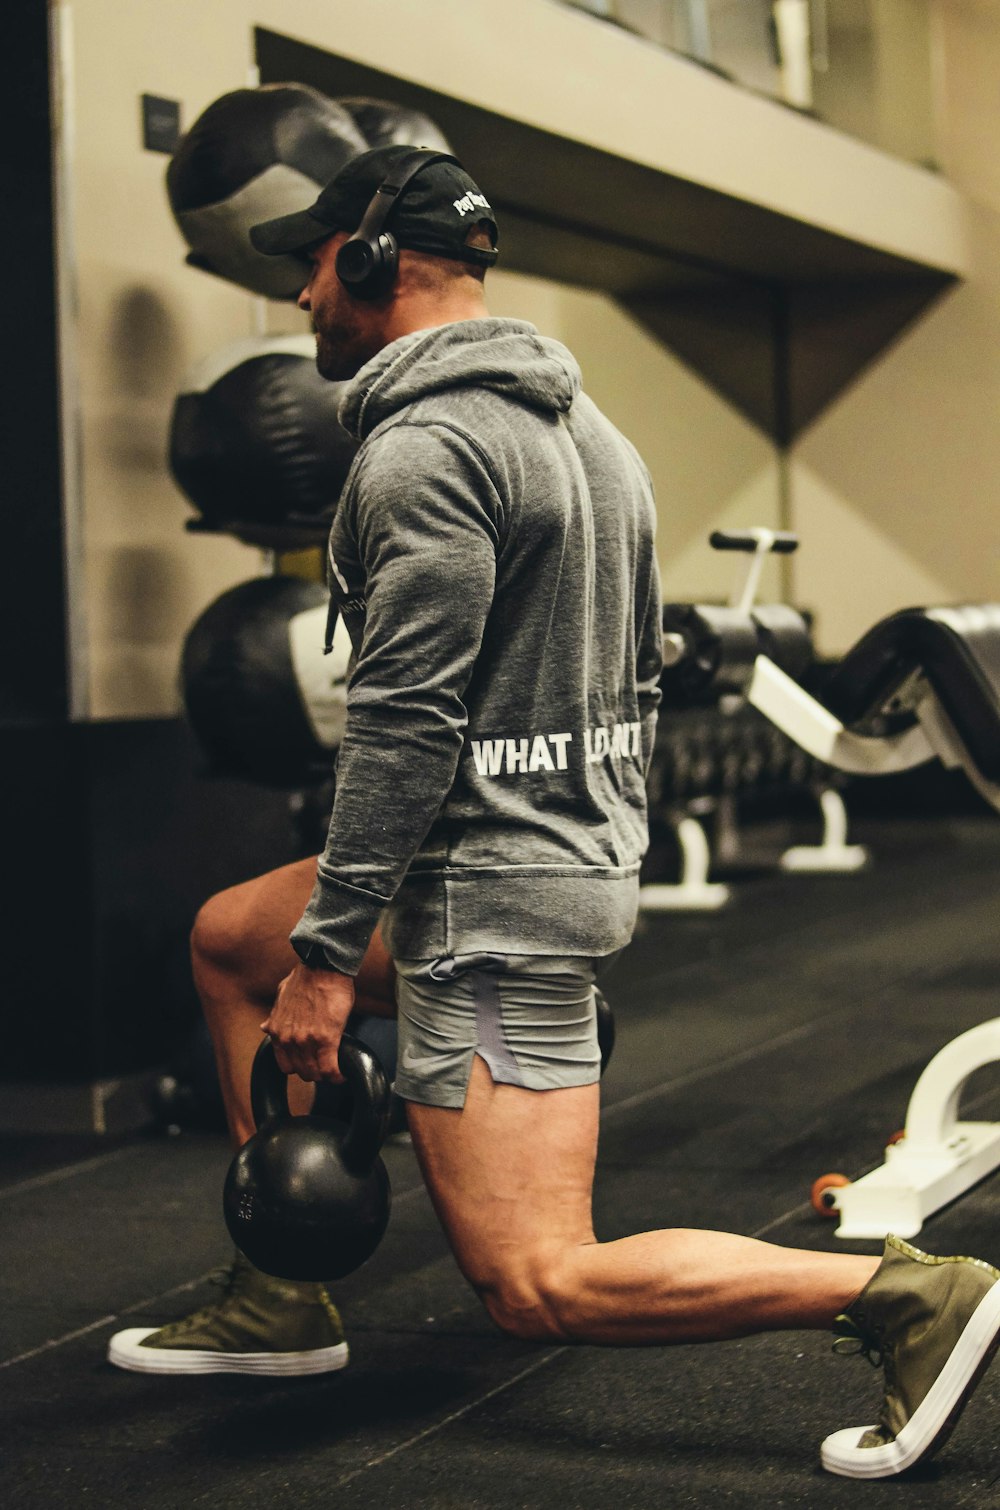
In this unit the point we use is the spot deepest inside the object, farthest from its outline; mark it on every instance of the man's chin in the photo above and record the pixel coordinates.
(337, 366)
(336, 370)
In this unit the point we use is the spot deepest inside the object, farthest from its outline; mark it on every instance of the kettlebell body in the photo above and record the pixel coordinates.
(308, 1198)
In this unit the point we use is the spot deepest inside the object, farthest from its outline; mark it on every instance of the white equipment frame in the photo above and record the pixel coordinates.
(939, 1157)
(834, 855)
(694, 892)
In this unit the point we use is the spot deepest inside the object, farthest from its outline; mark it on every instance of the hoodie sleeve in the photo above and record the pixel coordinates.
(648, 627)
(649, 664)
(426, 518)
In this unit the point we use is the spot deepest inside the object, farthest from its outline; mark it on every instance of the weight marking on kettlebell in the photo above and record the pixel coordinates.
(245, 1210)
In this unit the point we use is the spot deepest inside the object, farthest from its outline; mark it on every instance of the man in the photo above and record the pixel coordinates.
(492, 557)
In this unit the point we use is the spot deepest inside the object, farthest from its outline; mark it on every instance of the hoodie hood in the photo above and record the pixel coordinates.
(505, 356)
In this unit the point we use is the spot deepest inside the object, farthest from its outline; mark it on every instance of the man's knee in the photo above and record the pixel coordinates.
(533, 1296)
(218, 937)
(244, 929)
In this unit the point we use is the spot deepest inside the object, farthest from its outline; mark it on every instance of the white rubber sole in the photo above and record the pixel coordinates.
(125, 1352)
(931, 1423)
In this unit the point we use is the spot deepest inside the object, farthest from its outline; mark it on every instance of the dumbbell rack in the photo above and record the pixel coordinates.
(694, 892)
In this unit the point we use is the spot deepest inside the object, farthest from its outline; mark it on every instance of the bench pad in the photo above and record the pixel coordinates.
(957, 652)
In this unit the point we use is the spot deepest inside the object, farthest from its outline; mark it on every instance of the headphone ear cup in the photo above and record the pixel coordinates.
(355, 263)
(388, 262)
(367, 268)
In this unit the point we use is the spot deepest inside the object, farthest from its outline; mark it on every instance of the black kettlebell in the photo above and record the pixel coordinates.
(308, 1197)
(605, 1029)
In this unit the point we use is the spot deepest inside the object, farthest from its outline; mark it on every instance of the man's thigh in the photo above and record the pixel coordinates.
(510, 1174)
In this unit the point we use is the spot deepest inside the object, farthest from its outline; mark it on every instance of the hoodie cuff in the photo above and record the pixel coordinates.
(336, 928)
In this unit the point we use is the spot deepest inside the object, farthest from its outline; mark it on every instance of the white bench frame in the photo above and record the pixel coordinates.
(939, 1158)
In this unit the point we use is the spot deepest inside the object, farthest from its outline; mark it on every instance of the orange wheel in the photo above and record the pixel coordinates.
(822, 1198)
(897, 1137)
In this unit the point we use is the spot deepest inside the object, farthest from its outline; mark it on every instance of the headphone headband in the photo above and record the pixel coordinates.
(367, 262)
(386, 196)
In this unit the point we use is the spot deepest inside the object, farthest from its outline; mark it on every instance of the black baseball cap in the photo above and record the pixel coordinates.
(434, 213)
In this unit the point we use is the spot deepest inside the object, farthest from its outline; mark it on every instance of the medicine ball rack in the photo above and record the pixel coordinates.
(292, 534)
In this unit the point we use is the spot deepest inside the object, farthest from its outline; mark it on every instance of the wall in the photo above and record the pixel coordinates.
(894, 488)
(877, 83)
(143, 319)
(711, 468)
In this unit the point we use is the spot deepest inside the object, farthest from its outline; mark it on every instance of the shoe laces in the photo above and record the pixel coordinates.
(865, 1339)
(229, 1278)
(853, 1339)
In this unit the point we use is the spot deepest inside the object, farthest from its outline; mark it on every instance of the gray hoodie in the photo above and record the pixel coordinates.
(492, 558)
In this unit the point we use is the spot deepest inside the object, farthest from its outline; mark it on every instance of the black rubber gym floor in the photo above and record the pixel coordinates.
(756, 1049)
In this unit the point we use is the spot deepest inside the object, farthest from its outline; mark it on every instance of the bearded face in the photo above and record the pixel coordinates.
(347, 330)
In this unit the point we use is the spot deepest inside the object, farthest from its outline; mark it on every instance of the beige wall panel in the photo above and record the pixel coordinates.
(143, 319)
(896, 490)
(968, 40)
(879, 80)
(711, 468)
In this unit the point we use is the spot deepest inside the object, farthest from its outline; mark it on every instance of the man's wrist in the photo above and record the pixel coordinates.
(314, 957)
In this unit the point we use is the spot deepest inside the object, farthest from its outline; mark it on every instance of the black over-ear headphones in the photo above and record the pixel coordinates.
(366, 264)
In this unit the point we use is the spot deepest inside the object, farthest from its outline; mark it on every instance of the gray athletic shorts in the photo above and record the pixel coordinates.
(531, 1018)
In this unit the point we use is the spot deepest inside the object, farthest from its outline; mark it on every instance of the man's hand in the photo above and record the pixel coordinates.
(307, 1020)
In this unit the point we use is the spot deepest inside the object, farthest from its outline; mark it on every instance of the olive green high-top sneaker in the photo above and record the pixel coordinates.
(259, 1325)
(933, 1324)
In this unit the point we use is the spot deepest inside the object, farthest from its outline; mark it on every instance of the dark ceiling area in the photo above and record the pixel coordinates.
(777, 315)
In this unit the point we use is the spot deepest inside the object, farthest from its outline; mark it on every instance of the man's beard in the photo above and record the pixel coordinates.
(342, 348)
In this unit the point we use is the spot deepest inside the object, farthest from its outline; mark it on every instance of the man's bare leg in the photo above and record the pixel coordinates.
(240, 954)
(511, 1176)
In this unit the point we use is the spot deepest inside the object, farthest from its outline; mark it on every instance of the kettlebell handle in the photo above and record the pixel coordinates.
(366, 1082)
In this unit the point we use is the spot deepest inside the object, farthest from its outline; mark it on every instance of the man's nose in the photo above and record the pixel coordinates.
(303, 300)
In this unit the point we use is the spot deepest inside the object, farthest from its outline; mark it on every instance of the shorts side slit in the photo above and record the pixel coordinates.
(531, 1019)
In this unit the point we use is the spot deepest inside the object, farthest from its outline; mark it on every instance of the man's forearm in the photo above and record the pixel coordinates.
(389, 792)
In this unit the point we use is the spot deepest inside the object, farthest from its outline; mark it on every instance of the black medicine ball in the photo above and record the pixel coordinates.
(385, 124)
(252, 155)
(255, 441)
(264, 702)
